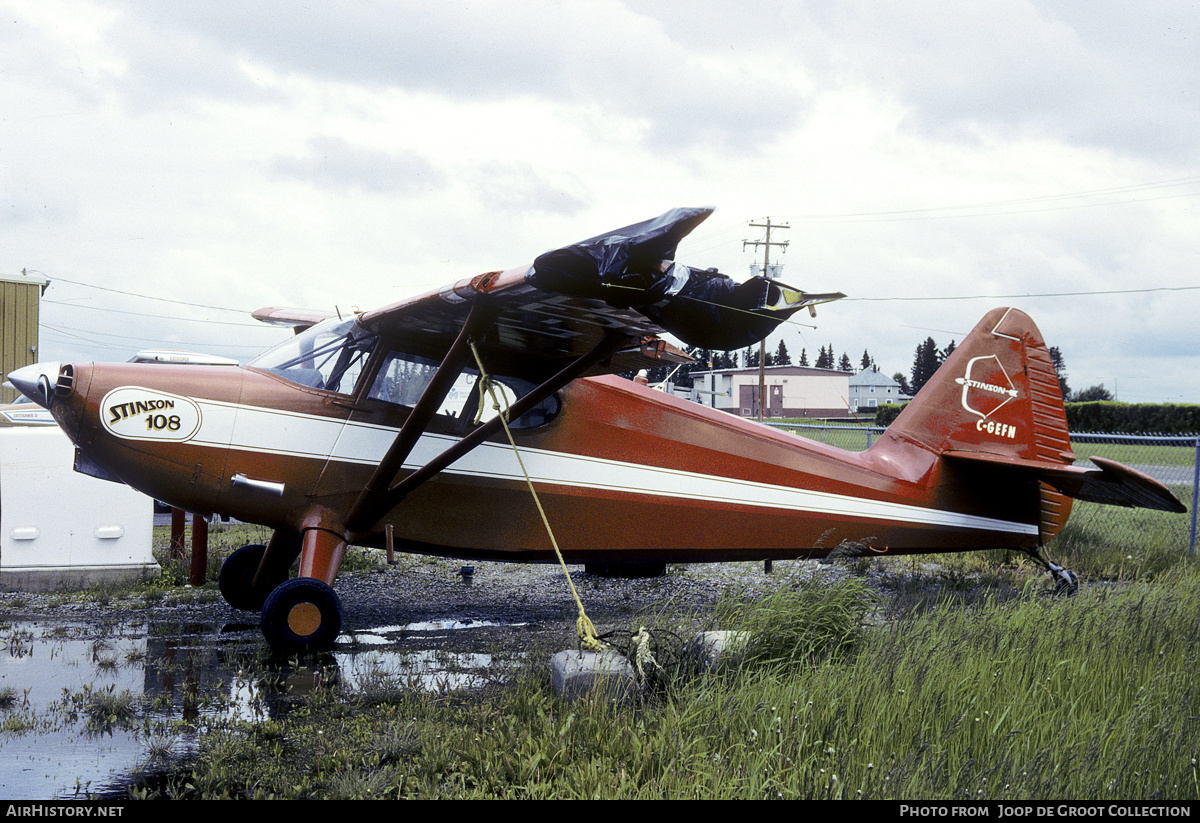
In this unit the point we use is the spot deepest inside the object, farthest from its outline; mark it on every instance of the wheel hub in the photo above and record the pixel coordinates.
(304, 619)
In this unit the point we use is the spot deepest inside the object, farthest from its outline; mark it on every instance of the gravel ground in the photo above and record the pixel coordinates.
(528, 602)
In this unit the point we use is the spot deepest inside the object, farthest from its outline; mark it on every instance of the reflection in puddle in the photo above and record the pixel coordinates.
(63, 730)
(425, 670)
(81, 712)
(387, 634)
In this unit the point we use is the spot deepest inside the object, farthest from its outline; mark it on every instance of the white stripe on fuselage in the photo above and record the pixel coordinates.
(273, 431)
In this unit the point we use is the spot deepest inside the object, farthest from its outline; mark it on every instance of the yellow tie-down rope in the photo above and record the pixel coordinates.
(583, 625)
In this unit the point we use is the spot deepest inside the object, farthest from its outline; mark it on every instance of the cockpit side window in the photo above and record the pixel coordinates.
(329, 356)
(402, 378)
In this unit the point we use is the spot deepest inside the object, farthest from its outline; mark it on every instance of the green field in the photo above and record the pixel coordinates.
(854, 438)
(1138, 454)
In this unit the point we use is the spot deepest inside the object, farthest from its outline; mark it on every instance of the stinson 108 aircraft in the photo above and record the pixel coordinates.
(357, 426)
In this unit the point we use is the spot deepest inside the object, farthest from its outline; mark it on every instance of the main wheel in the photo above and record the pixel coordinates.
(236, 580)
(302, 615)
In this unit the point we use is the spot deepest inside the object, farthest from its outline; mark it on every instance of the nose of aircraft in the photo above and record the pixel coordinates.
(36, 382)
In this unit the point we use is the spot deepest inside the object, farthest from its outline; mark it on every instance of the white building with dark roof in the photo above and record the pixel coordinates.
(871, 387)
(791, 391)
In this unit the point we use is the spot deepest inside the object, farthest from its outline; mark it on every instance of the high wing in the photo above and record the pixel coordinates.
(298, 319)
(622, 283)
(533, 333)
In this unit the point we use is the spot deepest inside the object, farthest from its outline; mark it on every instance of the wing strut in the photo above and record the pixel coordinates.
(376, 499)
(370, 500)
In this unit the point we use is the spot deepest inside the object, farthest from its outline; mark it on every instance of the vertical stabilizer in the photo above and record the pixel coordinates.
(996, 394)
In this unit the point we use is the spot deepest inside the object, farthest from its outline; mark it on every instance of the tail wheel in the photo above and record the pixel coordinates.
(236, 580)
(302, 615)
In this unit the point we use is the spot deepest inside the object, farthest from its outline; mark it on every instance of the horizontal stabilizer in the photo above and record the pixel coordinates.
(1112, 483)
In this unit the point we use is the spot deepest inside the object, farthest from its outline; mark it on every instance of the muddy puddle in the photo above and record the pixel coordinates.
(84, 708)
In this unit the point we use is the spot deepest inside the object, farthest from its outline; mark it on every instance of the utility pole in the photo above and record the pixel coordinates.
(762, 344)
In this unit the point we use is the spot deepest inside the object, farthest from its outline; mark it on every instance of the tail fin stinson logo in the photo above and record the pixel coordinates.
(986, 388)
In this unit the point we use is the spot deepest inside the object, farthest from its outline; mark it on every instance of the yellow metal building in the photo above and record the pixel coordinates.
(20, 295)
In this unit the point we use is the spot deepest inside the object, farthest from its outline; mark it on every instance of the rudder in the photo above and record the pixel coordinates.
(997, 394)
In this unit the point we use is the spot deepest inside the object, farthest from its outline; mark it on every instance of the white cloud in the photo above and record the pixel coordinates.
(359, 152)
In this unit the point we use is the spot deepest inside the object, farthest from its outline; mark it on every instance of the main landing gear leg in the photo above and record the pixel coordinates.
(1065, 581)
(304, 614)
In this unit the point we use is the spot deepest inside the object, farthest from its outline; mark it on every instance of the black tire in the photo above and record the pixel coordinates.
(301, 616)
(237, 578)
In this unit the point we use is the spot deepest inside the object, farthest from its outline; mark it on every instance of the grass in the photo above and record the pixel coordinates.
(990, 690)
(9, 697)
(104, 708)
(855, 438)
(226, 538)
(1107, 542)
(174, 581)
(1138, 454)
(949, 678)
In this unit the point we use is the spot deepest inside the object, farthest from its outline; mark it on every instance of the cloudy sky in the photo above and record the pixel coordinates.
(172, 166)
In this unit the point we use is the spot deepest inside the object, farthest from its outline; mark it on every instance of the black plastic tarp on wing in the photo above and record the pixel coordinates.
(631, 267)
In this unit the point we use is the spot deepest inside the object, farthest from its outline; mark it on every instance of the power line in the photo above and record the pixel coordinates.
(972, 210)
(1023, 296)
(762, 344)
(159, 316)
(83, 335)
(138, 294)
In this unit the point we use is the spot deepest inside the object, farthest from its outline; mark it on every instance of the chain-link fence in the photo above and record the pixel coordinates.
(1172, 460)
(850, 438)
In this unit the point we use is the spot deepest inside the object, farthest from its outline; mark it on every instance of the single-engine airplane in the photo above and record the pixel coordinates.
(357, 426)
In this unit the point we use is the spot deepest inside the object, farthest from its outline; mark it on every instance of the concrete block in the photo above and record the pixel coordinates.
(605, 675)
(716, 650)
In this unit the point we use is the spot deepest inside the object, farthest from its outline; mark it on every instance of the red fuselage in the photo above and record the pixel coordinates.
(622, 471)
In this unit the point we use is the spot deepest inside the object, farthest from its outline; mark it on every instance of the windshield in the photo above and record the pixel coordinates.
(329, 356)
(332, 355)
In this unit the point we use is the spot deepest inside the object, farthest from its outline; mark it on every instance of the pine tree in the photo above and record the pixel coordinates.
(925, 363)
(1060, 368)
(903, 381)
(782, 358)
(866, 360)
(945, 353)
(844, 363)
(803, 357)
(683, 377)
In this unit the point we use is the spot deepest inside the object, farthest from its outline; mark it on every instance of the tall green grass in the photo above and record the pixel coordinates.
(1116, 542)
(1086, 697)
(1014, 696)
